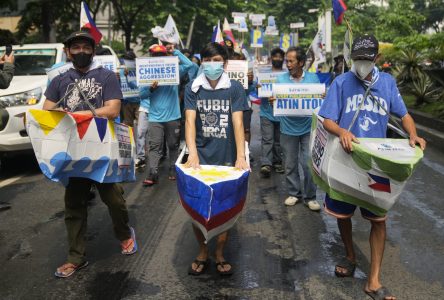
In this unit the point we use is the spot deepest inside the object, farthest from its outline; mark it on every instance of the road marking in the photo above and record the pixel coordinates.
(8, 181)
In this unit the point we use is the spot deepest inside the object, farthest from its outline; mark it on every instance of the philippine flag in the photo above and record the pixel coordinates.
(217, 34)
(379, 183)
(339, 8)
(254, 98)
(228, 33)
(86, 21)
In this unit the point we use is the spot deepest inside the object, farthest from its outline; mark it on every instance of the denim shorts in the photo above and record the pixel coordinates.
(344, 210)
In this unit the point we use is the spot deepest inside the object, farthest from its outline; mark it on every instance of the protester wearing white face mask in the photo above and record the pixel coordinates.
(344, 105)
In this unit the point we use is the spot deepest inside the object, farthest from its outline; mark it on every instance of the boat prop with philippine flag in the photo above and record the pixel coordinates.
(213, 196)
(372, 176)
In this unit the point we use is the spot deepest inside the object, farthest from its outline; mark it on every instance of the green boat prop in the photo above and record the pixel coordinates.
(372, 176)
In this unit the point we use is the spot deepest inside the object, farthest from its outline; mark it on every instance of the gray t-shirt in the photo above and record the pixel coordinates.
(98, 85)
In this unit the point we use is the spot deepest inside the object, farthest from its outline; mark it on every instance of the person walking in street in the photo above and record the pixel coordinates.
(339, 113)
(270, 126)
(164, 117)
(295, 136)
(214, 134)
(103, 93)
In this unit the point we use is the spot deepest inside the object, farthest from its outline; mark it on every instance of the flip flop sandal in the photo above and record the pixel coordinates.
(74, 268)
(348, 266)
(134, 243)
(380, 294)
(222, 264)
(199, 263)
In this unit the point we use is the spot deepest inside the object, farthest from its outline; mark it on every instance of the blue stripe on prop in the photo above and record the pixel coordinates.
(228, 194)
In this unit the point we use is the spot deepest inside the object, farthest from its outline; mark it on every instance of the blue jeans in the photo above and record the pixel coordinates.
(270, 142)
(296, 150)
(142, 130)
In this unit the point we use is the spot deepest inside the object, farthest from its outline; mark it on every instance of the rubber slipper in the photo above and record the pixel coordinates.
(133, 237)
(348, 266)
(74, 268)
(203, 263)
(380, 294)
(222, 264)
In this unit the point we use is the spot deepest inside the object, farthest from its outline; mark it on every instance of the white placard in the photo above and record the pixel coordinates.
(127, 91)
(297, 25)
(318, 152)
(106, 61)
(238, 14)
(124, 140)
(266, 80)
(297, 99)
(164, 70)
(237, 70)
(271, 31)
(53, 72)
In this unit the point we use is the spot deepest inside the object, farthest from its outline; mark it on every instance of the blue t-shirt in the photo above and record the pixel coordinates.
(215, 139)
(98, 85)
(296, 126)
(164, 101)
(346, 93)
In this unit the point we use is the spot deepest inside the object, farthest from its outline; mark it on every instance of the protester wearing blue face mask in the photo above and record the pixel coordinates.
(214, 133)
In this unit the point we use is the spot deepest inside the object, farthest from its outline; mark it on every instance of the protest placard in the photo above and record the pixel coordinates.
(107, 61)
(127, 91)
(237, 70)
(297, 99)
(266, 80)
(164, 70)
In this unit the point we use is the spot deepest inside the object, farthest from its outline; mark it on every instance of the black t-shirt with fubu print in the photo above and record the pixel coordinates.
(98, 85)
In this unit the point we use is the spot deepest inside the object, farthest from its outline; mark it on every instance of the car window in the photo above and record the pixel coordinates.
(33, 61)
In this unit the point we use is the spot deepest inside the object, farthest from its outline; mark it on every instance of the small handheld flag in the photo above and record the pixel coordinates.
(339, 8)
(217, 34)
(86, 21)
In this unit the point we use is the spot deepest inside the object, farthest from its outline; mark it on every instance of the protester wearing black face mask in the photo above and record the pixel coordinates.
(84, 86)
(270, 131)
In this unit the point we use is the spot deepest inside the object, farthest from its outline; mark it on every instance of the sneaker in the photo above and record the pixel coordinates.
(140, 163)
(291, 200)
(151, 180)
(313, 205)
(265, 171)
(279, 168)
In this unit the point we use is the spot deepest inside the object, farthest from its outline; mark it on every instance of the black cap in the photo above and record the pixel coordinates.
(365, 47)
(79, 35)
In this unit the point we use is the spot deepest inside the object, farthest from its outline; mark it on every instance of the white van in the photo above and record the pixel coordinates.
(26, 91)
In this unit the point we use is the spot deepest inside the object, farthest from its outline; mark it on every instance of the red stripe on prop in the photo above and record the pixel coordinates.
(83, 122)
(380, 187)
(215, 221)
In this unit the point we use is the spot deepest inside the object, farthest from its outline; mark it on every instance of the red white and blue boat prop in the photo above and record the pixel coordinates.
(213, 196)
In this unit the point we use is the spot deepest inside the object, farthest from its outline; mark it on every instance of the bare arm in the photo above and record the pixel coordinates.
(239, 137)
(110, 110)
(345, 137)
(190, 138)
(409, 126)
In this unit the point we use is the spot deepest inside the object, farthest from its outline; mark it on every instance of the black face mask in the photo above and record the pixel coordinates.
(276, 63)
(81, 60)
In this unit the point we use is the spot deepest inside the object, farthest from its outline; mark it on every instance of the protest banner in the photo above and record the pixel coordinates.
(60, 69)
(107, 61)
(257, 38)
(213, 196)
(164, 70)
(127, 91)
(297, 99)
(372, 176)
(286, 41)
(266, 80)
(237, 70)
(74, 145)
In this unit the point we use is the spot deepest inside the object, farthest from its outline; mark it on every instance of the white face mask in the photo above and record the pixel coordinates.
(363, 68)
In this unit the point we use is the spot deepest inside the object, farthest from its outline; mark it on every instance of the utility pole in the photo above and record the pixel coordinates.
(190, 32)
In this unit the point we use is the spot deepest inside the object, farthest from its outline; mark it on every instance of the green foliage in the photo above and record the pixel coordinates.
(6, 38)
(410, 68)
(424, 89)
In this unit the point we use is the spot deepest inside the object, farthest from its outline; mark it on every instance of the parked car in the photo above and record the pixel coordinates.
(27, 90)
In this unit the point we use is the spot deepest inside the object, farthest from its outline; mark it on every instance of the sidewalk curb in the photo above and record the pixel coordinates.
(429, 128)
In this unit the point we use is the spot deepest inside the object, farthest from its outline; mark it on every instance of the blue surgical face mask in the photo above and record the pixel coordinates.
(213, 70)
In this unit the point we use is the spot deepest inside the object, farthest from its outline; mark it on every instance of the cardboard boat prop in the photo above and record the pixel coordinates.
(372, 176)
(213, 196)
(73, 145)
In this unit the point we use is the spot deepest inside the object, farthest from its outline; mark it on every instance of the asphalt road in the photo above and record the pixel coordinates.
(278, 252)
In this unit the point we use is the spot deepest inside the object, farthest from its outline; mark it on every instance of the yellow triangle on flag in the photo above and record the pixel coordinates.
(48, 120)
(131, 134)
(111, 129)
